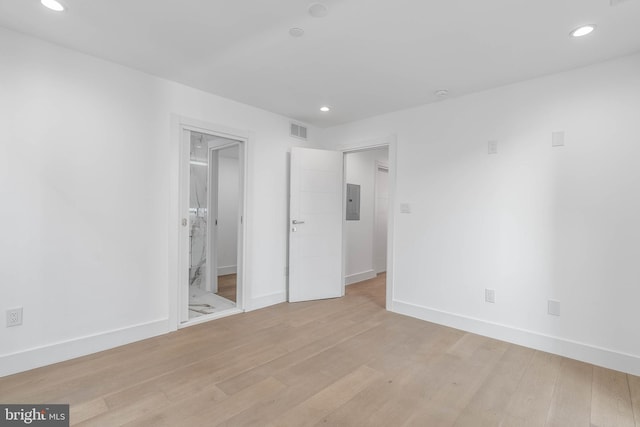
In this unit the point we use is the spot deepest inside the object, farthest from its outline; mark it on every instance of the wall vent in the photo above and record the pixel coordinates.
(298, 131)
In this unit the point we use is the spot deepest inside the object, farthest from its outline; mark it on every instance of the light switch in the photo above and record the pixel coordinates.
(553, 307)
(557, 139)
(405, 208)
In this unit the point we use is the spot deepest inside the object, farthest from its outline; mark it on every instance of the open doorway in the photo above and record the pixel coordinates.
(213, 285)
(322, 257)
(366, 222)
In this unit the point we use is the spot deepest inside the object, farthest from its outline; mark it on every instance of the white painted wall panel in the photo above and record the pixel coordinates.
(533, 222)
(89, 218)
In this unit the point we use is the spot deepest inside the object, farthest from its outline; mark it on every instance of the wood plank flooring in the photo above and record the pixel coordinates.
(227, 286)
(340, 362)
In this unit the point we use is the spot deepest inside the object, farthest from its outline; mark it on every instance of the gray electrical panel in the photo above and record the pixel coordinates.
(353, 202)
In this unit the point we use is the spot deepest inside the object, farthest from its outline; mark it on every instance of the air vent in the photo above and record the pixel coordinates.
(298, 131)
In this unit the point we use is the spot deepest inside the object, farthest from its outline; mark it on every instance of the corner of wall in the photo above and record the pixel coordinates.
(563, 347)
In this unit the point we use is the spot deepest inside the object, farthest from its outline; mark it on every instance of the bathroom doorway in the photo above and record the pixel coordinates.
(213, 183)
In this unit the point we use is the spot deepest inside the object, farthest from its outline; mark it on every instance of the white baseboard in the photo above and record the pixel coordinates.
(77, 347)
(227, 269)
(266, 301)
(208, 317)
(572, 349)
(359, 277)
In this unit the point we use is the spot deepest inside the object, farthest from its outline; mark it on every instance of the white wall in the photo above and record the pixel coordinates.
(360, 169)
(88, 180)
(228, 191)
(532, 222)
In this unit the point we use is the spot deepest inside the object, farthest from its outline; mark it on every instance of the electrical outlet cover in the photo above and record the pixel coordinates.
(14, 317)
(493, 147)
(490, 295)
(557, 139)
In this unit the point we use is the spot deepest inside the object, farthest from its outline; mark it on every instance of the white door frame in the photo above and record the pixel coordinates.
(376, 174)
(178, 243)
(372, 144)
(213, 209)
(211, 284)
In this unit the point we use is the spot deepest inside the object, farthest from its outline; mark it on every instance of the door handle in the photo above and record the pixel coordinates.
(295, 221)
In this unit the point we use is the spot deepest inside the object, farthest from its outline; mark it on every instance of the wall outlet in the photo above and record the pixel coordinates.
(14, 317)
(493, 147)
(490, 295)
(553, 307)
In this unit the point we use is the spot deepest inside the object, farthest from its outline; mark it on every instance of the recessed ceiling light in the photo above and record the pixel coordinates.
(583, 30)
(325, 109)
(296, 32)
(53, 5)
(318, 10)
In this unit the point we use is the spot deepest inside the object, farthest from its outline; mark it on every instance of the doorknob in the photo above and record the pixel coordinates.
(295, 221)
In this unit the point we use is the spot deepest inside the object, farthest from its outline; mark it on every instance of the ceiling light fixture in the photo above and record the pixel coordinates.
(53, 5)
(441, 93)
(318, 10)
(296, 32)
(583, 30)
(325, 109)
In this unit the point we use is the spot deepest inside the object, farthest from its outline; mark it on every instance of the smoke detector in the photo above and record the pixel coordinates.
(441, 93)
(318, 10)
(296, 32)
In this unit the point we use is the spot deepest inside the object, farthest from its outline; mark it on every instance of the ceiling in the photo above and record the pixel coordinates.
(366, 57)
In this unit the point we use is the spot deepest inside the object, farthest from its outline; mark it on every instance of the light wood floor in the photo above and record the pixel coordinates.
(227, 286)
(341, 362)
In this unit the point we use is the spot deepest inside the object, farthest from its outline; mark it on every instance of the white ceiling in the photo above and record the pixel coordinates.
(366, 57)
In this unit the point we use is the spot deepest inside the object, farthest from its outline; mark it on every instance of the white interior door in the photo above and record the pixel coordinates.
(315, 225)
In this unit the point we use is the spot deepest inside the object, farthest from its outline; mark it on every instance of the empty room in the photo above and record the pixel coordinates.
(335, 212)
